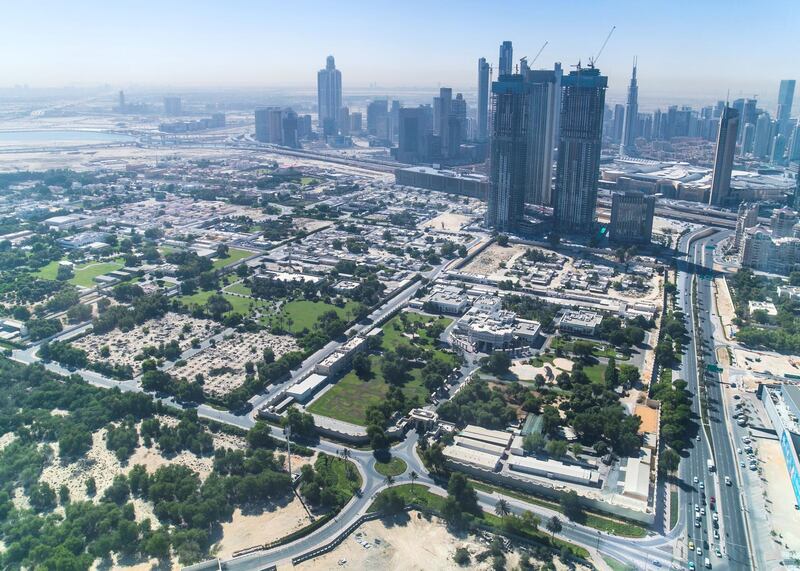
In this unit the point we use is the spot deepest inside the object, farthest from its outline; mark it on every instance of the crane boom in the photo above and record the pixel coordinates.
(539, 52)
(608, 37)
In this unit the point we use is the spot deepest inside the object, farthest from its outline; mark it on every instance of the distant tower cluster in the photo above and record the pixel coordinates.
(506, 60)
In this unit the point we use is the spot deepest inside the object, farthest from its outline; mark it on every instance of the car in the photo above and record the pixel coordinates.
(697, 523)
(696, 479)
(715, 517)
(713, 499)
(702, 485)
(716, 534)
(728, 481)
(698, 551)
(697, 438)
(741, 463)
(738, 450)
(691, 545)
(656, 563)
(702, 511)
(691, 565)
(696, 508)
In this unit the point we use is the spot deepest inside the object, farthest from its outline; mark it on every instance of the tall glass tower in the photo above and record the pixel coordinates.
(329, 96)
(583, 97)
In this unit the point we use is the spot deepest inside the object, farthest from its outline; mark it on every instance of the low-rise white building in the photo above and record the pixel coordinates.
(579, 322)
(489, 327)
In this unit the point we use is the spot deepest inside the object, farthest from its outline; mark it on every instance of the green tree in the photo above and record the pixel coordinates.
(571, 505)
(554, 526)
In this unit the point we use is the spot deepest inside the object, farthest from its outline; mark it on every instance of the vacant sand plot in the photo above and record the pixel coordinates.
(123, 346)
(448, 222)
(488, 262)
(407, 544)
(274, 522)
(765, 362)
(785, 518)
(222, 366)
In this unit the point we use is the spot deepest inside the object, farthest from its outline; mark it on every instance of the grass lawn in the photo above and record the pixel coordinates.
(673, 509)
(393, 467)
(596, 373)
(609, 525)
(84, 273)
(304, 313)
(350, 397)
(616, 565)
(420, 495)
(239, 288)
(600, 349)
(234, 255)
(241, 305)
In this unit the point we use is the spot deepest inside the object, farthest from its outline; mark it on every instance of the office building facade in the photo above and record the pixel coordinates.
(582, 102)
(416, 125)
(506, 59)
(632, 217)
(723, 157)
(545, 103)
(508, 153)
(483, 100)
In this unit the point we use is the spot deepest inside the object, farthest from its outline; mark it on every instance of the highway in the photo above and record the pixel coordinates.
(733, 541)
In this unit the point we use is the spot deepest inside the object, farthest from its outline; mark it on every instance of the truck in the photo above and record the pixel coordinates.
(710, 464)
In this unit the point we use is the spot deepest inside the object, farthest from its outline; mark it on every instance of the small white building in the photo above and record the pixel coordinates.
(579, 322)
(302, 390)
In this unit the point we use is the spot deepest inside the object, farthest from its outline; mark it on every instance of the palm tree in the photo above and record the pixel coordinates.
(345, 453)
(554, 525)
(414, 476)
(501, 508)
(390, 480)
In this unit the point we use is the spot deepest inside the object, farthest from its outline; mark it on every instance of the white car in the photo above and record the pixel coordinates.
(696, 509)
(697, 438)
(702, 485)
(715, 516)
(738, 450)
(696, 479)
(702, 511)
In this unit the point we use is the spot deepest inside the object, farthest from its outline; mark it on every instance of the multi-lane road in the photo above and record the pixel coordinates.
(698, 484)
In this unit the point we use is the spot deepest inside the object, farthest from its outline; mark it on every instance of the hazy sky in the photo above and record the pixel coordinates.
(699, 48)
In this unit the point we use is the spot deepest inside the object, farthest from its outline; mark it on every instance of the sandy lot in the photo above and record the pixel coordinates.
(525, 372)
(246, 530)
(785, 519)
(762, 362)
(448, 222)
(725, 309)
(407, 544)
(488, 262)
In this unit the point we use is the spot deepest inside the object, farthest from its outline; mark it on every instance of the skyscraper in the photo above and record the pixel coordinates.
(778, 149)
(483, 99)
(763, 136)
(378, 119)
(618, 123)
(785, 98)
(172, 105)
(632, 216)
(509, 153)
(443, 127)
(583, 96)
(329, 95)
(506, 62)
(545, 99)
(628, 146)
(723, 157)
(416, 125)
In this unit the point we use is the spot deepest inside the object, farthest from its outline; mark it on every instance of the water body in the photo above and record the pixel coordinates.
(59, 138)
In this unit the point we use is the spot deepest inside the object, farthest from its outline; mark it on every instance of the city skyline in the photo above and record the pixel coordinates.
(675, 53)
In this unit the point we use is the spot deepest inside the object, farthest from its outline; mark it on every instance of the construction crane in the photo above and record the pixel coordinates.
(593, 61)
(539, 53)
